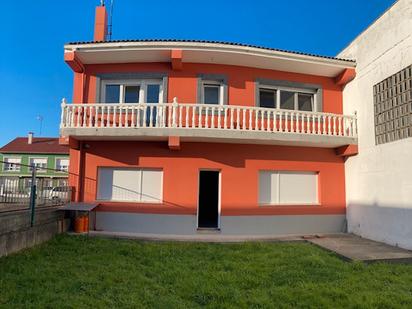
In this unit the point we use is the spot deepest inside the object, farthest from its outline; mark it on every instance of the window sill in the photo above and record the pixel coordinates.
(130, 202)
(290, 205)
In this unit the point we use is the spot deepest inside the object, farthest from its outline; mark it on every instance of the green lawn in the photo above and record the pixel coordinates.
(77, 272)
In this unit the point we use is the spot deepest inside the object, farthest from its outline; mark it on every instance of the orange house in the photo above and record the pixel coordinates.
(172, 136)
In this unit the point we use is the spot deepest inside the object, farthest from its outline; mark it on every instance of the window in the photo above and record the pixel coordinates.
(131, 91)
(287, 98)
(392, 99)
(283, 188)
(212, 92)
(11, 164)
(267, 98)
(39, 163)
(130, 184)
(62, 165)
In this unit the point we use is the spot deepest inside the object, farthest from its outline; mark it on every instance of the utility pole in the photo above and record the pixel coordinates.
(32, 194)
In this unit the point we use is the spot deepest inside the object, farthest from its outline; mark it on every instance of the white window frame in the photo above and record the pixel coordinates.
(296, 91)
(278, 173)
(140, 201)
(131, 82)
(18, 169)
(39, 170)
(61, 158)
(212, 83)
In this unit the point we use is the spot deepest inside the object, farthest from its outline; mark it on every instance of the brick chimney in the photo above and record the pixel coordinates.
(100, 23)
(30, 138)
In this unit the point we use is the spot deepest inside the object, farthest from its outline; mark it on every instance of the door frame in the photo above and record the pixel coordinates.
(219, 197)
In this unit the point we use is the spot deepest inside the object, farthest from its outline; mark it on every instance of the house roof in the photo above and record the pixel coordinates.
(40, 145)
(78, 54)
(210, 42)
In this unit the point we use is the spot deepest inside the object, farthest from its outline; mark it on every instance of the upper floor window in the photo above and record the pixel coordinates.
(39, 163)
(11, 164)
(62, 165)
(212, 89)
(287, 98)
(212, 92)
(131, 91)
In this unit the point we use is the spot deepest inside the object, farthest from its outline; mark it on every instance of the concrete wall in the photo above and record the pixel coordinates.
(16, 233)
(379, 178)
(230, 225)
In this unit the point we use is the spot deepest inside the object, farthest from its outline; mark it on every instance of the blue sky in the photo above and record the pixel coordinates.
(34, 77)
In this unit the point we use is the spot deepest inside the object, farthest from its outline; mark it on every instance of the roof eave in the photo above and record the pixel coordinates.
(205, 46)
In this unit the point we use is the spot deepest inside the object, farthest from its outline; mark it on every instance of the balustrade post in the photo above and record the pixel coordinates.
(174, 107)
(62, 118)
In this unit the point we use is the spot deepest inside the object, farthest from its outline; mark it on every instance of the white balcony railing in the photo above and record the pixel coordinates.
(206, 116)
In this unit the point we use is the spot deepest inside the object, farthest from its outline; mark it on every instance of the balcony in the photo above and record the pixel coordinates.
(207, 123)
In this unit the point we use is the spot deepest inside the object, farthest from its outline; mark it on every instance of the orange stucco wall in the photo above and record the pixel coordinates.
(239, 164)
(183, 83)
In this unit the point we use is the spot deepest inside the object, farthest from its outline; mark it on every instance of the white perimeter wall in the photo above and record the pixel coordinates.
(379, 178)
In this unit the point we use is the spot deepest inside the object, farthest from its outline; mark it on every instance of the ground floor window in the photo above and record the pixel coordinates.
(288, 187)
(130, 184)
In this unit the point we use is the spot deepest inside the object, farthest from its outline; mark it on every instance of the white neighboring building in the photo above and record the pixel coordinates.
(379, 178)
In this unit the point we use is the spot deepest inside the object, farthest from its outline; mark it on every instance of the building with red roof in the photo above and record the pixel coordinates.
(50, 158)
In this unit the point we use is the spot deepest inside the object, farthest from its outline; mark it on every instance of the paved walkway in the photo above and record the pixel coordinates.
(210, 237)
(354, 248)
(347, 246)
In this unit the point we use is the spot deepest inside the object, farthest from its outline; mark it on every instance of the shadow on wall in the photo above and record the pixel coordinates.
(390, 224)
(234, 155)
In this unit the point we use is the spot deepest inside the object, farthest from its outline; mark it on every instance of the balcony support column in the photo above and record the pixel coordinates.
(176, 57)
(345, 77)
(347, 151)
(174, 142)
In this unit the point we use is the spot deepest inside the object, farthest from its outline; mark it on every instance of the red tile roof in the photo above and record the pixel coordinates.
(39, 145)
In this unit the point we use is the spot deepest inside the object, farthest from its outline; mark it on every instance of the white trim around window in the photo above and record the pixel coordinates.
(11, 164)
(141, 83)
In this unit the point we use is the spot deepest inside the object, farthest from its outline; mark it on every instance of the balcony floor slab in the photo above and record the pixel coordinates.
(209, 135)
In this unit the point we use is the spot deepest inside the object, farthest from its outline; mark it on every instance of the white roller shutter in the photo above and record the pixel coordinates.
(130, 184)
(284, 187)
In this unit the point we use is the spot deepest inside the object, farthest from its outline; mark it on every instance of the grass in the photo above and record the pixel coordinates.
(76, 272)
